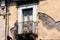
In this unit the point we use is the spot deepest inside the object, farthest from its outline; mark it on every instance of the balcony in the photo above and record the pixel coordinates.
(27, 27)
(20, 2)
(27, 2)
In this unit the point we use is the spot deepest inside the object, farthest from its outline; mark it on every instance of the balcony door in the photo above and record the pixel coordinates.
(27, 14)
(27, 20)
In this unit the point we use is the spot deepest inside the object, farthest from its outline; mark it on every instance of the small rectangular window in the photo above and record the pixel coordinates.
(27, 14)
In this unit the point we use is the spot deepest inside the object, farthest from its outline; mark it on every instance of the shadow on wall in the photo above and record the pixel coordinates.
(48, 21)
(14, 30)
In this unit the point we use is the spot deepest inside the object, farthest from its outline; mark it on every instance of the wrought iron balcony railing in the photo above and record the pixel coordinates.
(27, 27)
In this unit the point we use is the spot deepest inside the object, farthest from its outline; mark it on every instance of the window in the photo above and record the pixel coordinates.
(26, 13)
(27, 19)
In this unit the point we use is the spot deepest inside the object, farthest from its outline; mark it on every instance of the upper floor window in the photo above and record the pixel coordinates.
(28, 14)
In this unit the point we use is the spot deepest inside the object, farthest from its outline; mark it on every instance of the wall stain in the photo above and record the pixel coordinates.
(48, 21)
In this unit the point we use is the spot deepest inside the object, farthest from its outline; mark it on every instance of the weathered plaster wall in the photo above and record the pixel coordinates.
(2, 26)
(13, 17)
(51, 8)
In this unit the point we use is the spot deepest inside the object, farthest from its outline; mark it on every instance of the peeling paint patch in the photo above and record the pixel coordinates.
(48, 21)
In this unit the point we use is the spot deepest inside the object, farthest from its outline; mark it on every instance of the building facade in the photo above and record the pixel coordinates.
(40, 17)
